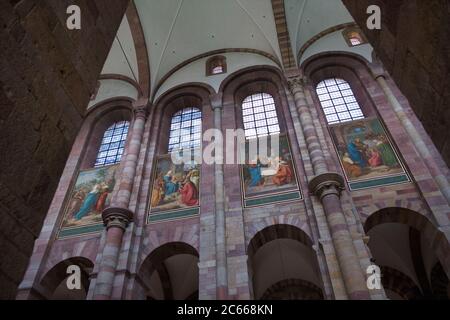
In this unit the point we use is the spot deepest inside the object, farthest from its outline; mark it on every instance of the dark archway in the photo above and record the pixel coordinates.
(407, 248)
(283, 265)
(293, 289)
(54, 283)
(171, 272)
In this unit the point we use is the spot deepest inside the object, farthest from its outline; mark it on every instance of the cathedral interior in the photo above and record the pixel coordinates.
(90, 118)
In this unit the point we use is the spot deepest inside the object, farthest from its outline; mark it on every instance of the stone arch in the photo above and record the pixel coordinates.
(287, 252)
(416, 206)
(252, 80)
(421, 228)
(267, 230)
(352, 68)
(161, 234)
(186, 95)
(293, 289)
(333, 57)
(260, 79)
(98, 119)
(399, 283)
(52, 283)
(161, 273)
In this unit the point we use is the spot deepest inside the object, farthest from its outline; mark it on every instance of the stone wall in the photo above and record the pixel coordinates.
(243, 225)
(47, 74)
(413, 46)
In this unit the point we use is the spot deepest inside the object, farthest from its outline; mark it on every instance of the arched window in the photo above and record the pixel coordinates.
(338, 101)
(113, 144)
(216, 65)
(260, 116)
(355, 40)
(354, 37)
(186, 129)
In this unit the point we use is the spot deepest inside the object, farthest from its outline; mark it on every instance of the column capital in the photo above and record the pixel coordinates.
(140, 112)
(326, 184)
(117, 217)
(216, 101)
(141, 108)
(297, 82)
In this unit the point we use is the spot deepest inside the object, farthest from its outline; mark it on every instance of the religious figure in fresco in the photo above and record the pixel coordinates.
(374, 158)
(365, 150)
(175, 186)
(158, 193)
(270, 172)
(77, 202)
(100, 205)
(352, 169)
(254, 169)
(284, 174)
(188, 191)
(89, 197)
(386, 151)
(89, 202)
(356, 152)
(171, 185)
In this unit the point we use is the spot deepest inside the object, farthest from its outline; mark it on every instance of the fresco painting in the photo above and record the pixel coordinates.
(365, 150)
(89, 196)
(271, 173)
(175, 186)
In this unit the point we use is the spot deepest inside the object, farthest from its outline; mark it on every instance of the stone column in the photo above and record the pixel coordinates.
(417, 140)
(309, 131)
(327, 187)
(221, 243)
(116, 221)
(117, 217)
(122, 198)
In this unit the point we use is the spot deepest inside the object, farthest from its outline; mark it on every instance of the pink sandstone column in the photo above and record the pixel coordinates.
(327, 187)
(306, 120)
(117, 217)
(221, 244)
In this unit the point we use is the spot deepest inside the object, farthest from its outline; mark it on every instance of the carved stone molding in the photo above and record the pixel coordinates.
(295, 83)
(298, 83)
(326, 184)
(117, 217)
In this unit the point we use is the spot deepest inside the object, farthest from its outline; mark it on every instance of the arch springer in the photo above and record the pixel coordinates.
(297, 82)
(141, 109)
(326, 184)
(117, 217)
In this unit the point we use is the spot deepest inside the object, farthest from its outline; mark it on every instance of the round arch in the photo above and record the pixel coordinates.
(53, 283)
(170, 272)
(187, 95)
(282, 264)
(98, 119)
(352, 68)
(410, 243)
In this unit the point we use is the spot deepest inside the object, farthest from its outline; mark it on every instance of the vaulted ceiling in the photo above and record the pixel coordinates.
(176, 32)
(308, 18)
